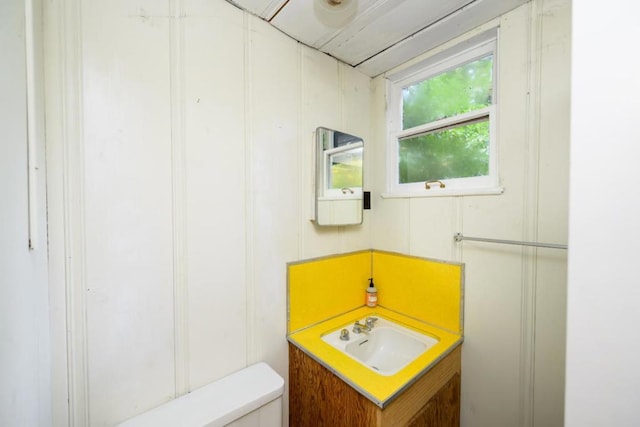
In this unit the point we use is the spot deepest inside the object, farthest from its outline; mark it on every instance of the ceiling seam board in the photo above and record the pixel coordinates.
(473, 16)
(410, 36)
(356, 45)
(375, 41)
(275, 7)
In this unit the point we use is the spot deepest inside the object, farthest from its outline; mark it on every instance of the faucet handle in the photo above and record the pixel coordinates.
(371, 321)
(357, 327)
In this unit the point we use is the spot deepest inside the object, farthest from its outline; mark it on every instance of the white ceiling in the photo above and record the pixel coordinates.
(382, 33)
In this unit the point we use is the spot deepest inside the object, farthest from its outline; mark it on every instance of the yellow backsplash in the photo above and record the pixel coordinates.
(424, 289)
(325, 287)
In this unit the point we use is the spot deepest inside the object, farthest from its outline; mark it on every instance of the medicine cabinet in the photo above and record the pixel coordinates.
(339, 175)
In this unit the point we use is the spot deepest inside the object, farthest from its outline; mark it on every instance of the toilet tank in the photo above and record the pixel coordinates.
(251, 397)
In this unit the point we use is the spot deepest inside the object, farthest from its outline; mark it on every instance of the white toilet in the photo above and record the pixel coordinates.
(251, 397)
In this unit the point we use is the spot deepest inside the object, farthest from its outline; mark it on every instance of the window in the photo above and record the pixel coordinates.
(442, 124)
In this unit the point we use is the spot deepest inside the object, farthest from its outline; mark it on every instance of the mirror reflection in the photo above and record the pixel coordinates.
(339, 160)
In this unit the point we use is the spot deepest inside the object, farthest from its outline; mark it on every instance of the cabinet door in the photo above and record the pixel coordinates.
(443, 409)
(318, 398)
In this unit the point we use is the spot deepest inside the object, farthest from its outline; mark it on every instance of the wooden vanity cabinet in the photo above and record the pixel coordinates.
(318, 398)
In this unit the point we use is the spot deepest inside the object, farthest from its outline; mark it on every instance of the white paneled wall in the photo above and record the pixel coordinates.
(552, 209)
(276, 185)
(515, 303)
(126, 178)
(25, 357)
(180, 152)
(210, 63)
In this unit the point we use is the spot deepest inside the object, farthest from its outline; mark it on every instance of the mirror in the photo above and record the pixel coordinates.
(339, 159)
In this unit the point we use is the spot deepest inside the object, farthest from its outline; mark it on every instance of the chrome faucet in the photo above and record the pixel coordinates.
(359, 327)
(367, 327)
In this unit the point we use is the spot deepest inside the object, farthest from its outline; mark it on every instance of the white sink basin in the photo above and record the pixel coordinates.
(386, 349)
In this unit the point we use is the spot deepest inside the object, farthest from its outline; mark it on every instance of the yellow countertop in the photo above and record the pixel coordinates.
(380, 389)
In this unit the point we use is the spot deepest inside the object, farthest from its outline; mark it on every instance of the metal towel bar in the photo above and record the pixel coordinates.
(458, 237)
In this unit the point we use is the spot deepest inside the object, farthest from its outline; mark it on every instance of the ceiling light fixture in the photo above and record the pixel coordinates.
(335, 13)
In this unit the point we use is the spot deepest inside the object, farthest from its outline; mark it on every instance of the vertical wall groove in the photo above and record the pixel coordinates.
(344, 127)
(32, 120)
(307, 198)
(69, 16)
(179, 199)
(530, 218)
(250, 273)
(53, 38)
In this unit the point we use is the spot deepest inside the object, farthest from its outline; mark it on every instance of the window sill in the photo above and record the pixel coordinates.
(446, 192)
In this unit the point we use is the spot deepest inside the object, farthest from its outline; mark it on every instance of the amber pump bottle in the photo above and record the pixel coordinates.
(371, 295)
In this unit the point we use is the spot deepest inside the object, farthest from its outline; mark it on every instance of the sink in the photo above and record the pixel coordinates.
(386, 349)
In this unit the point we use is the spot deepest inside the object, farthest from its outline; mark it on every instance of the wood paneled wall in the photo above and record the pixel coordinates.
(515, 297)
(181, 143)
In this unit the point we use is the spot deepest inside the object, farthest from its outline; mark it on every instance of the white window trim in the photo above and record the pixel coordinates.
(336, 193)
(453, 187)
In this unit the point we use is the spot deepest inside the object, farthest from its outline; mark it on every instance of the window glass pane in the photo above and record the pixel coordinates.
(457, 91)
(459, 152)
(346, 169)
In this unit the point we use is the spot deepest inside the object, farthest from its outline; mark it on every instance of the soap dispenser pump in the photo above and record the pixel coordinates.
(371, 295)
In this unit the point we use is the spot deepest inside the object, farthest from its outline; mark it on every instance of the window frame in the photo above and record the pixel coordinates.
(440, 63)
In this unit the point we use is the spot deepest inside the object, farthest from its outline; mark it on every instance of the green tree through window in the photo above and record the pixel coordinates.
(455, 151)
(461, 152)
